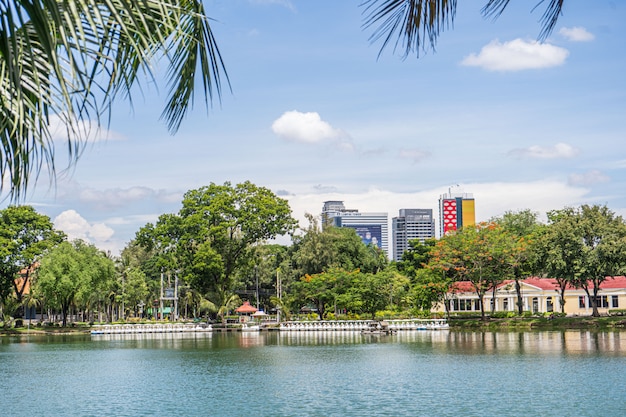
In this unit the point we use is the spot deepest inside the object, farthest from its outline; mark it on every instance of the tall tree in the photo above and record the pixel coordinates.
(67, 61)
(70, 273)
(522, 227)
(25, 236)
(558, 248)
(212, 236)
(480, 254)
(603, 254)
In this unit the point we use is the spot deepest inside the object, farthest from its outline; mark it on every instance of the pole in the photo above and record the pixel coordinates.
(176, 296)
(161, 298)
(256, 276)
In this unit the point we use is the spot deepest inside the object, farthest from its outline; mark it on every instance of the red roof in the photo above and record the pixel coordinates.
(245, 308)
(544, 284)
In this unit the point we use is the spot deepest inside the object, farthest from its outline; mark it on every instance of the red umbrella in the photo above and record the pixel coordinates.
(245, 308)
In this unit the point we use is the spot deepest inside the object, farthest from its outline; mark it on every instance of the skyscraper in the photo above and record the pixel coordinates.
(409, 225)
(455, 211)
(371, 227)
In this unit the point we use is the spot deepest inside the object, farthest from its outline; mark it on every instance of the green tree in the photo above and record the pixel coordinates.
(603, 253)
(326, 289)
(431, 285)
(320, 250)
(367, 293)
(481, 254)
(558, 248)
(25, 236)
(70, 60)
(416, 257)
(522, 227)
(415, 25)
(213, 235)
(71, 272)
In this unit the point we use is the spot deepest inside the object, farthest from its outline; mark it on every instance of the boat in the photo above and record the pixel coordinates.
(250, 327)
(378, 328)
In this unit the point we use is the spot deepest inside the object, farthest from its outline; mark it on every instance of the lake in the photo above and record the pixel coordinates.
(415, 373)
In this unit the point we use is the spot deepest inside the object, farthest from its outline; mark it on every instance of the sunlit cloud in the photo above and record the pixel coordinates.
(576, 34)
(517, 55)
(558, 151)
(87, 130)
(307, 127)
(76, 227)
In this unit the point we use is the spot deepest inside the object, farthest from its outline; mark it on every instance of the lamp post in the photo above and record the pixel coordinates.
(256, 277)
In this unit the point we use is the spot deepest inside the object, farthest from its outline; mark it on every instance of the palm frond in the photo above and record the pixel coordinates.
(72, 59)
(554, 9)
(414, 24)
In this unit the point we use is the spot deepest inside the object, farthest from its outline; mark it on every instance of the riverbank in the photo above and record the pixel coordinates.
(539, 323)
(459, 324)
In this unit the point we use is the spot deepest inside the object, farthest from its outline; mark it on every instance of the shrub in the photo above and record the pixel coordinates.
(617, 312)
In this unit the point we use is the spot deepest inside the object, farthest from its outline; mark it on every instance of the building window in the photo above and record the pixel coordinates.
(581, 302)
(614, 301)
(505, 304)
(535, 304)
(602, 301)
(549, 305)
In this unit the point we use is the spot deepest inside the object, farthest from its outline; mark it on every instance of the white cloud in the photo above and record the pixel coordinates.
(588, 178)
(87, 130)
(76, 227)
(560, 150)
(576, 34)
(491, 199)
(119, 197)
(517, 55)
(307, 127)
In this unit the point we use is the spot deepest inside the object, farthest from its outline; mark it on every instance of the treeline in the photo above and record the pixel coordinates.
(215, 251)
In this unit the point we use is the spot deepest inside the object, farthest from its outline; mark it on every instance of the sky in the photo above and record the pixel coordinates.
(315, 114)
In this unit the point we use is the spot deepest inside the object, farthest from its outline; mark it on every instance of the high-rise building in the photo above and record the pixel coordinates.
(371, 227)
(455, 211)
(411, 224)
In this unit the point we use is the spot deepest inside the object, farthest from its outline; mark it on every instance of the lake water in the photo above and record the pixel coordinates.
(572, 373)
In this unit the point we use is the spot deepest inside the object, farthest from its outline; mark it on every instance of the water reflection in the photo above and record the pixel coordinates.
(572, 342)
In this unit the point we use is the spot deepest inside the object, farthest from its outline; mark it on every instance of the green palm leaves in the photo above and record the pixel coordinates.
(65, 62)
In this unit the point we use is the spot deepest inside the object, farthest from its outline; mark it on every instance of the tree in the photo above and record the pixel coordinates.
(213, 235)
(558, 249)
(416, 24)
(69, 60)
(416, 257)
(521, 226)
(320, 250)
(481, 254)
(367, 293)
(25, 236)
(603, 254)
(325, 289)
(71, 272)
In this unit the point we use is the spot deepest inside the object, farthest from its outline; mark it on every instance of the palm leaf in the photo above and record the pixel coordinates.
(72, 59)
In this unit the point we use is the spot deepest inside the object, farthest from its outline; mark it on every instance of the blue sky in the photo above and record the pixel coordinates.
(314, 115)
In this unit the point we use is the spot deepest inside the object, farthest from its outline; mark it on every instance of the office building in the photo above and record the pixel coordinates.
(411, 224)
(371, 227)
(455, 211)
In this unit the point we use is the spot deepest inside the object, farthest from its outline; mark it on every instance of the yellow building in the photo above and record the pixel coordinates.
(539, 295)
